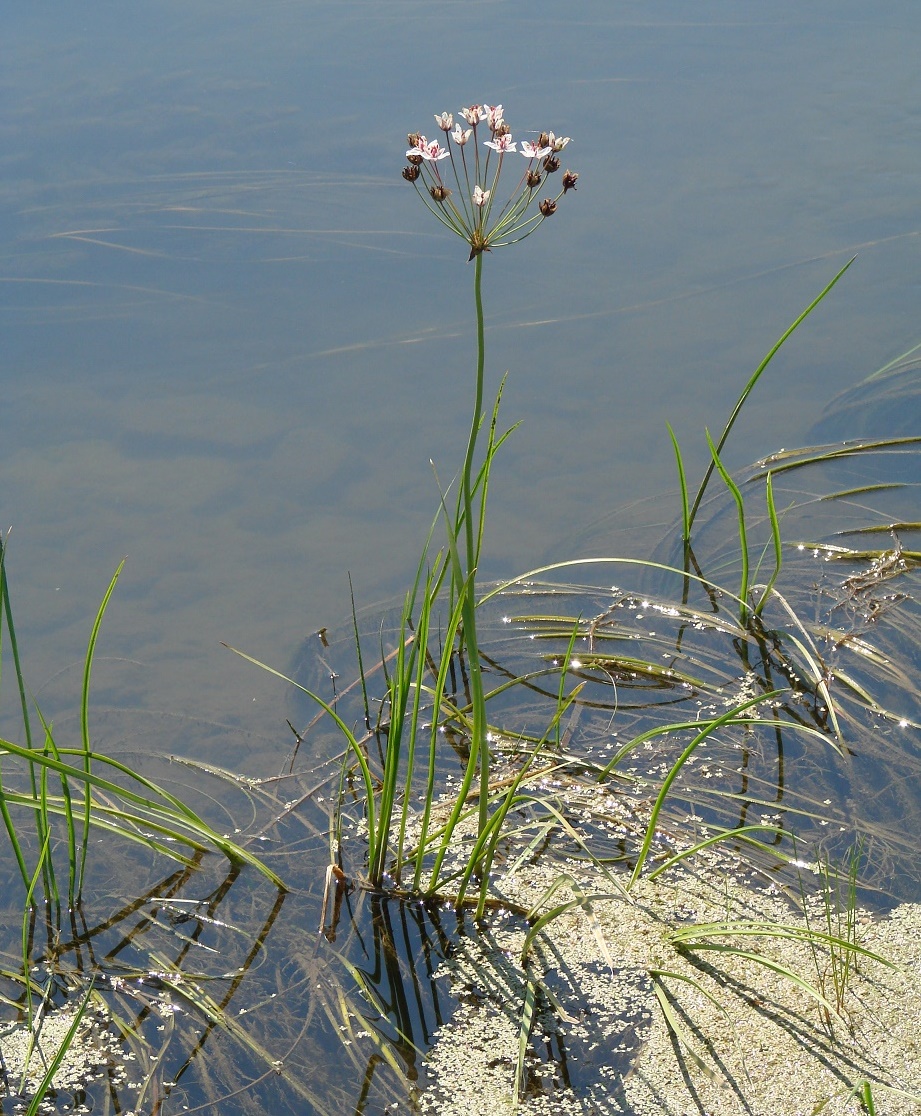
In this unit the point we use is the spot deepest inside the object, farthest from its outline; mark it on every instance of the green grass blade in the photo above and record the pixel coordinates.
(441, 680)
(168, 807)
(751, 383)
(775, 967)
(27, 912)
(789, 459)
(740, 833)
(76, 886)
(743, 537)
(524, 1033)
(70, 825)
(7, 612)
(717, 722)
(485, 849)
(683, 486)
(354, 746)
(361, 666)
(678, 1030)
(778, 546)
(35, 1106)
(753, 928)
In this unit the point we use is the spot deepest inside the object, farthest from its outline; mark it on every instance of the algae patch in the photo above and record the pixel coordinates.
(93, 1052)
(629, 1022)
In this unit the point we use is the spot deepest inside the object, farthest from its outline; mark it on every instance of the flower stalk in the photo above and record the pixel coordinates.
(457, 178)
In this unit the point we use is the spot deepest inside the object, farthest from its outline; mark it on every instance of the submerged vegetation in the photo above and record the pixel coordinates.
(663, 761)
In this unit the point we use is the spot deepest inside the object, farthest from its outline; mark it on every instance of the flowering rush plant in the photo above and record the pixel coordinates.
(457, 177)
(469, 206)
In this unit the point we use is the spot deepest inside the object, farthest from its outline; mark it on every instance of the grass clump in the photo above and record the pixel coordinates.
(63, 808)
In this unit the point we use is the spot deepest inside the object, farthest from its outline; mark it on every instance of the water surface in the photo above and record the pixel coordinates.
(233, 339)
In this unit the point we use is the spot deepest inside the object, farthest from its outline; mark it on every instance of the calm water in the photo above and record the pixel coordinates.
(232, 339)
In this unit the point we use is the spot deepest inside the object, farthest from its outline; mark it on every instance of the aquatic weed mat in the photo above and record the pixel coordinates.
(628, 1021)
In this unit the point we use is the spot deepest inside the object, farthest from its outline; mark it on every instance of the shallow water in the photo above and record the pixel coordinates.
(233, 339)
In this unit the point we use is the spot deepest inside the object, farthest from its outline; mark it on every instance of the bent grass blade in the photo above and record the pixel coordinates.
(164, 812)
(747, 390)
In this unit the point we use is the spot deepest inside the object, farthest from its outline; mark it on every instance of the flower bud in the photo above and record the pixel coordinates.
(569, 181)
(439, 193)
(547, 207)
(544, 140)
(412, 172)
(413, 139)
(502, 129)
(414, 158)
(533, 179)
(551, 164)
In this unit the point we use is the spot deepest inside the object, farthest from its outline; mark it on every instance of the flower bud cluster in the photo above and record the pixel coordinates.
(468, 206)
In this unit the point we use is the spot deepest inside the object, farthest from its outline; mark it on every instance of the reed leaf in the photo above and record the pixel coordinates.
(747, 390)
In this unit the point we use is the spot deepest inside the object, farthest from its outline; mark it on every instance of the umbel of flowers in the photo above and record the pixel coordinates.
(458, 177)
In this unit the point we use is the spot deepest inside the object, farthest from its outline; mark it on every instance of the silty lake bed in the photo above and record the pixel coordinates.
(233, 339)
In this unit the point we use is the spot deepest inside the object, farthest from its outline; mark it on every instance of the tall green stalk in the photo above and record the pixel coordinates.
(465, 581)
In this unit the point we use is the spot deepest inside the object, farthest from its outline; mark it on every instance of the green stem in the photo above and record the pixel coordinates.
(467, 584)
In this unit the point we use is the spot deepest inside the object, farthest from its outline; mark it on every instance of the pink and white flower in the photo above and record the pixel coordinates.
(474, 114)
(532, 151)
(501, 143)
(479, 218)
(493, 116)
(433, 151)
